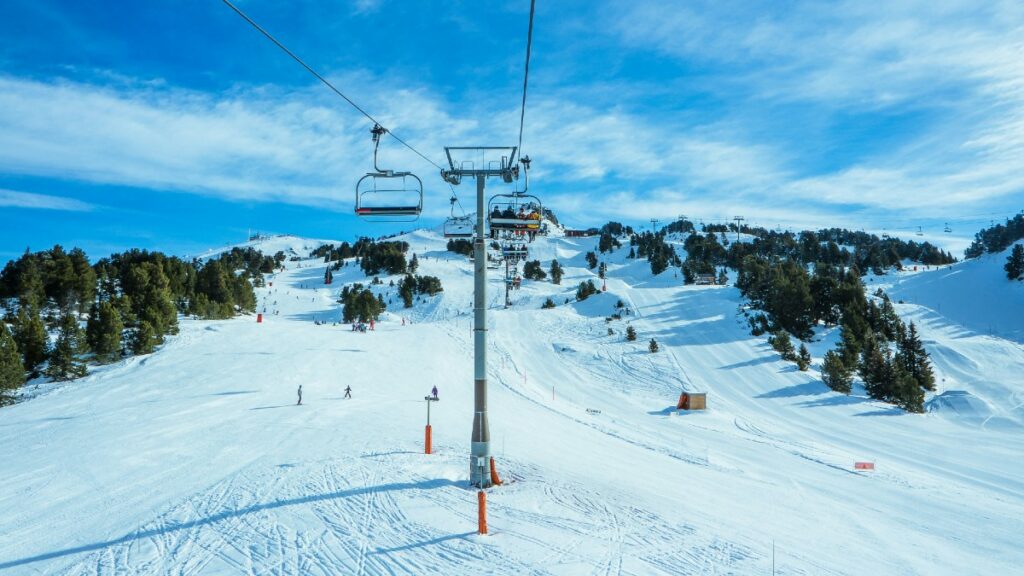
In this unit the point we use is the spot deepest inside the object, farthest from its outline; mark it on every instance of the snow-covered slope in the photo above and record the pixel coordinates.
(196, 460)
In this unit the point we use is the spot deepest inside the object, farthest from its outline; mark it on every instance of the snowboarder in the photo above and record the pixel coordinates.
(348, 392)
(299, 403)
(434, 392)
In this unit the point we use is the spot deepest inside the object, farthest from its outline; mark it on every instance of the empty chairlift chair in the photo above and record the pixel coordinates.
(386, 195)
(458, 226)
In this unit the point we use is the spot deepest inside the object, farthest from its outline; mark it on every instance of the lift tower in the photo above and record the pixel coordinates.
(481, 163)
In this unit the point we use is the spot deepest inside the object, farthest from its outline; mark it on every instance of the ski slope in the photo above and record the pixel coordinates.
(196, 460)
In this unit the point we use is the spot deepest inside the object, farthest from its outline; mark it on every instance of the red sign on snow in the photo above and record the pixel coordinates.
(863, 465)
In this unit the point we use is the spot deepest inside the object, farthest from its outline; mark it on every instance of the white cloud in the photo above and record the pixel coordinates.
(16, 199)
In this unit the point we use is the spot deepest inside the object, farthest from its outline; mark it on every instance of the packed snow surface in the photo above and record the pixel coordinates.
(197, 460)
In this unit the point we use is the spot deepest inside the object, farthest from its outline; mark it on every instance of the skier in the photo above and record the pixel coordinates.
(299, 403)
(434, 392)
(348, 392)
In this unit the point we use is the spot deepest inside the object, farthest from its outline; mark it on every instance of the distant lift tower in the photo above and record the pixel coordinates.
(739, 222)
(480, 163)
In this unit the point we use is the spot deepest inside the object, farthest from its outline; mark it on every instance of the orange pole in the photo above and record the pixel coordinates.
(494, 474)
(428, 443)
(481, 499)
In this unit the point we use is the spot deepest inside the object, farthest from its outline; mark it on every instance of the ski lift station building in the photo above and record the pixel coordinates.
(692, 401)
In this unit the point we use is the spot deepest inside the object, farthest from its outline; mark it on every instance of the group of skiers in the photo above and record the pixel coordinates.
(348, 393)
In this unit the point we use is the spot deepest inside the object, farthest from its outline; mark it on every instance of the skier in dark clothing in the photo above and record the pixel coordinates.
(299, 403)
(434, 392)
(348, 391)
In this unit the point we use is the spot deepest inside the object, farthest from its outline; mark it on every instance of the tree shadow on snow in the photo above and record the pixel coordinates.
(228, 515)
(805, 389)
(748, 363)
(835, 400)
(882, 412)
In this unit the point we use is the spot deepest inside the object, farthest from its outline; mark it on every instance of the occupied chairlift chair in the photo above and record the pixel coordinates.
(386, 195)
(509, 212)
(514, 252)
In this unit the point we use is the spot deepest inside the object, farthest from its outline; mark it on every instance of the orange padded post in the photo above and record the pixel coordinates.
(481, 499)
(494, 474)
(259, 318)
(427, 441)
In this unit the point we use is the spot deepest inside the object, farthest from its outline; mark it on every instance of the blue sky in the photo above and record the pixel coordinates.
(175, 126)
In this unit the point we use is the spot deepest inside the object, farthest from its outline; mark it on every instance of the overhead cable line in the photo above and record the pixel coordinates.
(526, 77)
(335, 89)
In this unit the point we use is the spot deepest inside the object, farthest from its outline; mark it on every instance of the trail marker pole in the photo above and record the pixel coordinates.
(481, 511)
(428, 444)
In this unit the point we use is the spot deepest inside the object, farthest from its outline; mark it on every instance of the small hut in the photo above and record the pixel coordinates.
(692, 401)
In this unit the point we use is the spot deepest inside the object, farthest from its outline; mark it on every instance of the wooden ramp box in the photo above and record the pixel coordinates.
(692, 401)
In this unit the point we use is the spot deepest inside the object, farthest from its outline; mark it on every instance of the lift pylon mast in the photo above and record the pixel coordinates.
(739, 223)
(480, 163)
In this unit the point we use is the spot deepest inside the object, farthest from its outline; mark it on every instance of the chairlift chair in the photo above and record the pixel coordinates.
(386, 195)
(503, 212)
(458, 226)
(919, 232)
(947, 229)
(514, 252)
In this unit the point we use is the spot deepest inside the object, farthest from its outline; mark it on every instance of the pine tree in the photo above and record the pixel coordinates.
(835, 373)
(65, 362)
(533, 271)
(907, 392)
(780, 341)
(103, 331)
(873, 370)
(591, 260)
(1015, 263)
(653, 345)
(549, 303)
(30, 290)
(602, 271)
(85, 279)
(585, 290)
(407, 290)
(850, 343)
(803, 359)
(723, 277)
(12, 372)
(30, 335)
(144, 339)
(630, 333)
(913, 358)
(556, 272)
(414, 263)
